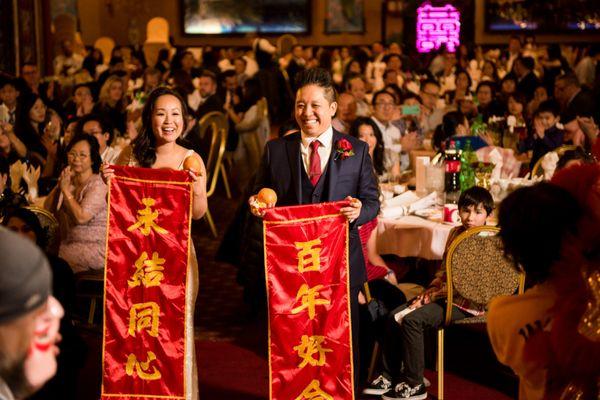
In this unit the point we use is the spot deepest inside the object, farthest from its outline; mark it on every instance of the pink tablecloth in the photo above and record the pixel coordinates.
(412, 236)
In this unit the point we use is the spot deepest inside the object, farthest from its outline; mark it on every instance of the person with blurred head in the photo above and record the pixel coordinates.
(83, 100)
(9, 94)
(252, 128)
(573, 99)
(25, 223)
(487, 104)
(209, 98)
(30, 128)
(97, 127)
(397, 146)
(432, 113)
(514, 51)
(79, 204)
(29, 318)
(346, 113)
(68, 63)
(357, 86)
(549, 335)
(112, 102)
(366, 129)
(296, 65)
(526, 79)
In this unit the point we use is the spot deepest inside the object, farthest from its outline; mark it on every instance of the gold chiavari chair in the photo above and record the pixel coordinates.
(214, 123)
(478, 271)
(537, 169)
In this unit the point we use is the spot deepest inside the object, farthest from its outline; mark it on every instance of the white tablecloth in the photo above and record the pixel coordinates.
(412, 236)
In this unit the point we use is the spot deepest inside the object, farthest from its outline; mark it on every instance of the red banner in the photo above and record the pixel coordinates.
(148, 244)
(310, 340)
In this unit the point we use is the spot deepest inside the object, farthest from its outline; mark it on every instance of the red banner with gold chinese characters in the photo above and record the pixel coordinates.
(310, 340)
(148, 245)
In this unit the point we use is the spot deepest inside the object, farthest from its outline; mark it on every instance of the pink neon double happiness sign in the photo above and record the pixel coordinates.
(437, 25)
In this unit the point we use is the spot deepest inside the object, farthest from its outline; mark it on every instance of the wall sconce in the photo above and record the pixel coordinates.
(394, 8)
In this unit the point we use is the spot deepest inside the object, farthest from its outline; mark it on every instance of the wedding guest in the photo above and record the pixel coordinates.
(79, 203)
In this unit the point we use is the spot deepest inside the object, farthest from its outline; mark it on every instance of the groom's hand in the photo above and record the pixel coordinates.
(353, 210)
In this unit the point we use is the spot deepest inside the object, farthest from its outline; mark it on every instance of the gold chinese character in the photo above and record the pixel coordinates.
(146, 217)
(148, 272)
(144, 316)
(310, 300)
(142, 368)
(309, 259)
(310, 346)
(314, 392)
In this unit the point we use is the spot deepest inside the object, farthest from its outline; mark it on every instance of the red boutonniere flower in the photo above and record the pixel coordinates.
(344, 149)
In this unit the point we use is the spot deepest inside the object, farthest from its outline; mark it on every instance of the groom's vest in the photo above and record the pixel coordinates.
(314, 194)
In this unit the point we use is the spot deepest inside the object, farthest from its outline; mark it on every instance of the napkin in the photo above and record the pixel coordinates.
(407, 203)
(496, 158)
(549, 161)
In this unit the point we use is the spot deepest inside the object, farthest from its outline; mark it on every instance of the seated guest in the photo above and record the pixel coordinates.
(516, 111)
(9, 93)
(367, 130)
(95, 126)
(488, 105)
(455, 127)
(346, 113)
(403, 344)
(526, 79)
(79, 203)
(356, 84)
(462, 89)
(29, 127)
(397, 146)
(543, 335)
(432, 112)
(573, 99)
(111, 103)
(546, 135)
(82, 102)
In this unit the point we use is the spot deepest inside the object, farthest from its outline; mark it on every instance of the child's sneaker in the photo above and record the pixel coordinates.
(404, 391)
(378, 386)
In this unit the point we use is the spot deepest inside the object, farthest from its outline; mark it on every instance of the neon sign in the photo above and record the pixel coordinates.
(437, 26)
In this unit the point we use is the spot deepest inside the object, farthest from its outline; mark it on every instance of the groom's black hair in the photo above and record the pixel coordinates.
(319, 77)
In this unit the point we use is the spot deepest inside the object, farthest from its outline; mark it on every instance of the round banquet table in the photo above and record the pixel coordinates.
(412, 236)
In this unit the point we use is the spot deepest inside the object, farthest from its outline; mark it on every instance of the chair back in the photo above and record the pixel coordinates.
(537, 169)
(50, 225)
(477, 269)
(215, 124)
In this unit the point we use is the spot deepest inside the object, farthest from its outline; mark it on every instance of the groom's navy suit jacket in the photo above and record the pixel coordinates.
(282, 170)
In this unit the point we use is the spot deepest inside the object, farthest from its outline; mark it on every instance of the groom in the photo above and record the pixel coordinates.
(306, 168)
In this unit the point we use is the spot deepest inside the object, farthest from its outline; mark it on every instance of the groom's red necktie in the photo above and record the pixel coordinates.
(314, 169)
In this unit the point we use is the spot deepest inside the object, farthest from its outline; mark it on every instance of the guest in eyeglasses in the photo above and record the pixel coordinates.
(79, 204)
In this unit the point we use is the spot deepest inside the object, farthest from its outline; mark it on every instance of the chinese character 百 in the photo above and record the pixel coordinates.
(309, 299)
(310, 346)
(148, 272)
(142, 368)
(146, 217)
(144, 316)
(314, 392)
(309, 258)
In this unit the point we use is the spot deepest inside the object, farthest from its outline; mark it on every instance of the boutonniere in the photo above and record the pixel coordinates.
(344, 149)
